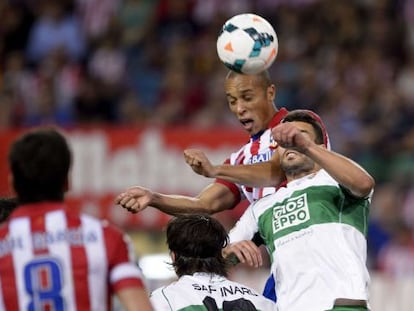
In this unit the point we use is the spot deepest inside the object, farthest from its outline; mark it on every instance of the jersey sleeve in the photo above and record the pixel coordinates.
(245, 228)
(123, 267)
(234, 188)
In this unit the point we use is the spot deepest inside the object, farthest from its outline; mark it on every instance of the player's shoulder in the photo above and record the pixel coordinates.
(156, 292)
(166, 291)
(159, 300)
(3, 229)
(258, 206)
(89, 221)
(93, 219)
(322, 177)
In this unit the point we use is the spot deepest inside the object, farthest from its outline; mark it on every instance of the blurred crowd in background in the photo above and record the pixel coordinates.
(139, 62)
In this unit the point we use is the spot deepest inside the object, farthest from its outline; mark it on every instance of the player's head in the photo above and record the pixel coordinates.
(196, 243)
(7, 205)
(40, 161)
(310, 124)
(251, 99)
(307, 116)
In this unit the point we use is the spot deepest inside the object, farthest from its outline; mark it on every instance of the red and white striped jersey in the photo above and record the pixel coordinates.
(259, 149)
(55, 259)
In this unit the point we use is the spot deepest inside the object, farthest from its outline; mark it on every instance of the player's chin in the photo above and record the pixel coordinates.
(254, 130)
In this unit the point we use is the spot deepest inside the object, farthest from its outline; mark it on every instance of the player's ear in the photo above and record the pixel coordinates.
(172, 255)
(271, 92)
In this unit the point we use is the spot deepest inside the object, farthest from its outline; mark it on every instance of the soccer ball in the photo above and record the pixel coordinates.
(247, 44)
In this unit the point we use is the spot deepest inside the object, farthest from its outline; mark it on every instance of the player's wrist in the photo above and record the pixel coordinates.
(216, 171)
(156, 199)
(310, 149)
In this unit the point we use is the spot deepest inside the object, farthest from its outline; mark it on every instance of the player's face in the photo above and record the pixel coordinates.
(293, 162)
(250, 101)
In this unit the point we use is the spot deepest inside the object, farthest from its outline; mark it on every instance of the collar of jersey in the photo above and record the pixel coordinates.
(36, 208)
(278, 117)
(302, 179)
(211, 276)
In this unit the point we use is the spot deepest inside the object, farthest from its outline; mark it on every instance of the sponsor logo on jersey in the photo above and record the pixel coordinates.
(292, 212)
(9, 244)
(293, 237)
(41, 240)
(75, 237)
(261, 157)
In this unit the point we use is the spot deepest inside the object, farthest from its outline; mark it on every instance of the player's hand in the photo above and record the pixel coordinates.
(199, 162)
(134, 199)
(287, 135)
(246, 252)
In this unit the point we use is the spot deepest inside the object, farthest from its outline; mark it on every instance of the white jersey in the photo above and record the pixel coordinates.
(316, 234)
(202, 291)
(259, 149)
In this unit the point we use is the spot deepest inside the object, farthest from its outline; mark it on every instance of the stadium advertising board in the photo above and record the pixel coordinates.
(109, 160)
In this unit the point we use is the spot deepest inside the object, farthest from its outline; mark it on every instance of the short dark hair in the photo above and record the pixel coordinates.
(40, 161)
(308, 117)
(262, 78)
(7, 205)
(197, 241)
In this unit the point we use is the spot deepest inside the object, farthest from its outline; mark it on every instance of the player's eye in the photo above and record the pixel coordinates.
(231, 100)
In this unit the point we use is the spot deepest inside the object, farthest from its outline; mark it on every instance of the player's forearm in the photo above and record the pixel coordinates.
(178, 204)
(212, 199)
(345, 171)
(264, 174)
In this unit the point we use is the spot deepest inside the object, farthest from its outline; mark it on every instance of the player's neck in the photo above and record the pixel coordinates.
(295, 175)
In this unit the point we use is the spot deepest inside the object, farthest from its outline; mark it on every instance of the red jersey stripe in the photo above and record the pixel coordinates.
(8, 282)
(37, 224)
(79, 262)
(254, 149)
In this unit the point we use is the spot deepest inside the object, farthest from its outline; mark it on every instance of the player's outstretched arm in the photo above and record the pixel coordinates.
(212, 199)
(134, 299)
(263, 174)
(345, 171)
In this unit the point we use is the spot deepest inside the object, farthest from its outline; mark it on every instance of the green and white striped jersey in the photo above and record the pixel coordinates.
(315, 231)
(208, 292)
